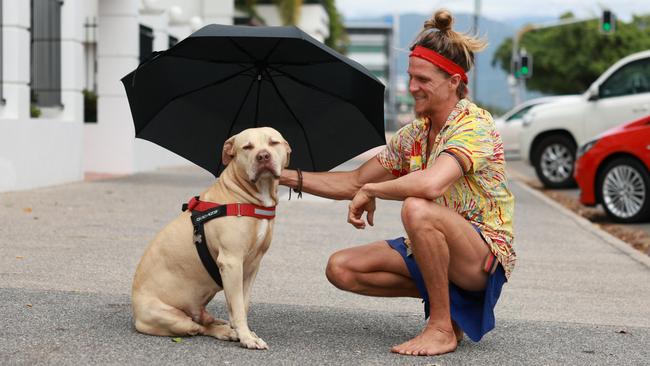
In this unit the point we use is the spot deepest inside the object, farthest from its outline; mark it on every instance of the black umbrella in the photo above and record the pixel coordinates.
(223, 79)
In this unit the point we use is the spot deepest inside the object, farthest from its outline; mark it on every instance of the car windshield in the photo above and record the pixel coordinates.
(520, 113)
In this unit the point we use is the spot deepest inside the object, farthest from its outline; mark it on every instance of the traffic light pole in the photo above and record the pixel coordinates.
(516, 94)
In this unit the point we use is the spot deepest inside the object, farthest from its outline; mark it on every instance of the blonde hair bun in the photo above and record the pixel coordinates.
(442, 20)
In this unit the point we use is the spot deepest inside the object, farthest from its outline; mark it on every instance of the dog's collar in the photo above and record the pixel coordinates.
(232, 209)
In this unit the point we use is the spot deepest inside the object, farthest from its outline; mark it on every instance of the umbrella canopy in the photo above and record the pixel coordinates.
(224, 79)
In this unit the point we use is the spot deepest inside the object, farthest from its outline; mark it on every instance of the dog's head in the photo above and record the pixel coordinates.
(259, 152)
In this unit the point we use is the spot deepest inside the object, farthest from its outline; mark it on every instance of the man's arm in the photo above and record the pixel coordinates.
(428, 184)
(337, 185)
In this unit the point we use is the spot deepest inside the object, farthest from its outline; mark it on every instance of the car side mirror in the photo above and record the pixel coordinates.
(593, 92)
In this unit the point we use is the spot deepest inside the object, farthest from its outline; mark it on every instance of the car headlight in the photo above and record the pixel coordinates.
(586, 147)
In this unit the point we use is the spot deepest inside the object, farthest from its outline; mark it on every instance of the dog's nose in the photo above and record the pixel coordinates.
(263, 156)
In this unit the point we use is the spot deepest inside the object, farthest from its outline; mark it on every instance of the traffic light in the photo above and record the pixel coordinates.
(607, 22)
(515, 68)
(525, 66)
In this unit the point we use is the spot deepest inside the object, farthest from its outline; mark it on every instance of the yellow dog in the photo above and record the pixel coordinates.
(171, 287)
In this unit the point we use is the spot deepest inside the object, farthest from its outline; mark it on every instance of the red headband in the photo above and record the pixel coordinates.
(439, 60)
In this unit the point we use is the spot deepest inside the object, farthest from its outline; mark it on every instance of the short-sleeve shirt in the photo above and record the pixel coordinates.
(481, 195)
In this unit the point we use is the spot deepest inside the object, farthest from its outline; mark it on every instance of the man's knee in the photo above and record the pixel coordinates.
(339, 273)
(417, 212)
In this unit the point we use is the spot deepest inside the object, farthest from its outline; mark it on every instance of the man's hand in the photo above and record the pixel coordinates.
(362, 202)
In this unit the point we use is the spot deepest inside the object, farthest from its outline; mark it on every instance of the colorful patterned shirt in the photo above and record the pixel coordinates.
(481, 195)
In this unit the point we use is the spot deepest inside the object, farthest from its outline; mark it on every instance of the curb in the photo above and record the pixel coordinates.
(585, 224)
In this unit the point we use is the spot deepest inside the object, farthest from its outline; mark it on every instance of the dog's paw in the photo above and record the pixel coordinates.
(222, 332)
(253, 342)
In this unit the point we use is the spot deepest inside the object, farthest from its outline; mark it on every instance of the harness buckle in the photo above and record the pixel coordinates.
(197, 237)
(238, 209)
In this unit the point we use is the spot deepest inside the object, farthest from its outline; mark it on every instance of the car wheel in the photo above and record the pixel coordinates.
(553, 160)
(624, 187)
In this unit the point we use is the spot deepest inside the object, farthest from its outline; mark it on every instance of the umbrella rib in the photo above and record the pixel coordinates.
(210, 61)
(275, 47)
(195, 90)
(319, 89)
(284, 101)
(304, 63)
(310, 85)
(242, 63)
(234, 120)
(241, 48)
(257, 103)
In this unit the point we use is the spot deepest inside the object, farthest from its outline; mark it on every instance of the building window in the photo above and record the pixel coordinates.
(365, 48)
(90, 57)
(171, 41)
(146, 42)
(46, 53)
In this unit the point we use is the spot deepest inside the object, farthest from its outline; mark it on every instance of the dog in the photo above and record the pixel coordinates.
(172, 287)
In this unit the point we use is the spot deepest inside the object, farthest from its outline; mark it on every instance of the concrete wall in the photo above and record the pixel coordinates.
(47, 150)
(38, 152)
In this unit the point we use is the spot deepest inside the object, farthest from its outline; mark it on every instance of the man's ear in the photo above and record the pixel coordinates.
(228, 152)
(288, 148)
(455, 80)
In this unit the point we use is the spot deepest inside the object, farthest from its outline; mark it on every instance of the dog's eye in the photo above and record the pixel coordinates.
(247, 147)
(273, 142)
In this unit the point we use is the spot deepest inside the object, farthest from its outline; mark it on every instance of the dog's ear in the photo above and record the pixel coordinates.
(288, 148)
(228, 152)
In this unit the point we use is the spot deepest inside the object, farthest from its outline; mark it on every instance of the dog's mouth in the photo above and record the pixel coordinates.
(265, 170)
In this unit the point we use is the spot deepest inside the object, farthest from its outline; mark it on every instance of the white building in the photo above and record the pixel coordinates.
(372, 44)
(54, 50)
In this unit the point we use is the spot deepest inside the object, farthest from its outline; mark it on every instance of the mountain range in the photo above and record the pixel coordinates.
(492, 84)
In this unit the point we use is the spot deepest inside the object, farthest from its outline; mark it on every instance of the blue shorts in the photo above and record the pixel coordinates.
(473, 311)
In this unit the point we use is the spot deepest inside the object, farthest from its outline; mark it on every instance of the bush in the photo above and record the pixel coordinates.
(34, 111)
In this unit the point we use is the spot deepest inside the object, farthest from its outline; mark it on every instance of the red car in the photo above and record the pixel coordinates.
(613, 170)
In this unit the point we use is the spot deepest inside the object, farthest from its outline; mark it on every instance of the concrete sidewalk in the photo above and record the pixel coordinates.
(68, 253)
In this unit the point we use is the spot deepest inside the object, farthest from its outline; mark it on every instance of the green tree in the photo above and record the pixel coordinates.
(567, 59)
(289, 11)
(290, 14)
(338, 38)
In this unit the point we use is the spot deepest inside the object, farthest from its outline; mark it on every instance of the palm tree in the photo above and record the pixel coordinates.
(338, 38)
(289, 11)
(290, 14)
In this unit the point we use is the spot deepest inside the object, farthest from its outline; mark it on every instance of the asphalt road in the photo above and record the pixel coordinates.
(528, 171)
(68, 253)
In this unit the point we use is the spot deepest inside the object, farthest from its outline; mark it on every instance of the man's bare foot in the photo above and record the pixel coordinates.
(432, 341)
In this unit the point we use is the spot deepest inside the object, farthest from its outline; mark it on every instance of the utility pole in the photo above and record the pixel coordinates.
(392, 72)
(477, 11)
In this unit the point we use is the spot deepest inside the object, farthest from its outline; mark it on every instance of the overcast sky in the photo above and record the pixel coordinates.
(495, 9)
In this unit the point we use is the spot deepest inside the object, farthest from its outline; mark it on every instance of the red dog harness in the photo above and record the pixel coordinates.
(203, 212)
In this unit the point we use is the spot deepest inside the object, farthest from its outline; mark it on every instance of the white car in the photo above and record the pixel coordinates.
(552, 132)
(510, 123)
